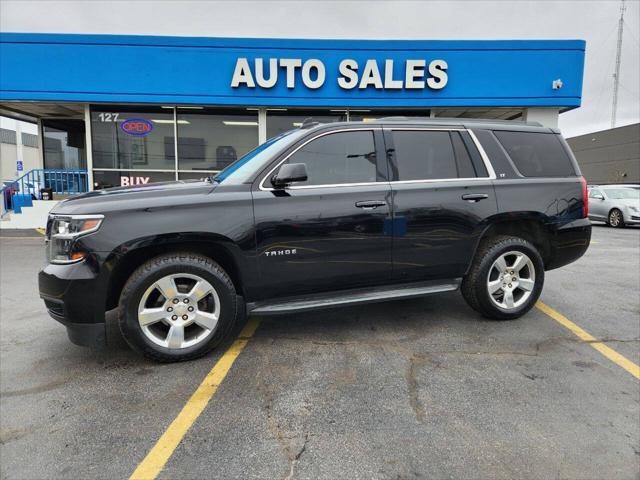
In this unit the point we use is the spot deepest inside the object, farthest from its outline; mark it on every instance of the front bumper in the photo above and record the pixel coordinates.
(75, 296)
(632, 218)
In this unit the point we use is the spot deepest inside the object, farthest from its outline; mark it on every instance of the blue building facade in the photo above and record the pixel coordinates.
(147, 108)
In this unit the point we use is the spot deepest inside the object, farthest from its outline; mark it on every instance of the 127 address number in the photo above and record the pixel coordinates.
(108, 117)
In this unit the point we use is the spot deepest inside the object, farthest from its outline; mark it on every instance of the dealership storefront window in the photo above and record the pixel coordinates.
(133, 145)
(138, 145)
(210, 139)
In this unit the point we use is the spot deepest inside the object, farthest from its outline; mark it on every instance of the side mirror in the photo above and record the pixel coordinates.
(289, 173)
(598, 197)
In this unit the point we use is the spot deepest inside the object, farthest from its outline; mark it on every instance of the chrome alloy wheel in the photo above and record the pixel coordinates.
(179, 311)
(614, 218)
(511, 280)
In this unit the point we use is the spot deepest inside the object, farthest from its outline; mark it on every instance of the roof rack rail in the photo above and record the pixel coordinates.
(308, 123)
(459, 120)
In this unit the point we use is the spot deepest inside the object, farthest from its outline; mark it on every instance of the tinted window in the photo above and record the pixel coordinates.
(537, 154)
(424, 155)
(347, 157)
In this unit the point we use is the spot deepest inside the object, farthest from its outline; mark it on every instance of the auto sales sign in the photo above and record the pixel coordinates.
(417, 74)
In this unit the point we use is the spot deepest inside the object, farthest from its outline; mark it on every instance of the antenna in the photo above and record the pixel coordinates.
(616, 74)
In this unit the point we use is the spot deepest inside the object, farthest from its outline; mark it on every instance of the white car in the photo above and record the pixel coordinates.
(614, 204)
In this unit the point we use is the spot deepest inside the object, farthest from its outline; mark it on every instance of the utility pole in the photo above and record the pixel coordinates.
(616, 74)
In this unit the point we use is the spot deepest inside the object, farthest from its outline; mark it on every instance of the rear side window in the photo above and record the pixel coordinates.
(345, 157)
(537, 154)
(431, 155)
(593, 192)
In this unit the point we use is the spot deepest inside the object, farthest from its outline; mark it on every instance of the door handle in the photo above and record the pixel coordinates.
(474, 197)
(370, 204)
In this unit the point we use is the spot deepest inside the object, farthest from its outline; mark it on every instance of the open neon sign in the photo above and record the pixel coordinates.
(138, 127)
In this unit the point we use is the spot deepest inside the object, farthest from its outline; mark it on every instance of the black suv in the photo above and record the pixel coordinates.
(322, 216)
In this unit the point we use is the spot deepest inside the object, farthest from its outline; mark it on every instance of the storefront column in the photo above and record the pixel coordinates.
(548, 117)
(88, 146)
(40, 143)
(262, 126)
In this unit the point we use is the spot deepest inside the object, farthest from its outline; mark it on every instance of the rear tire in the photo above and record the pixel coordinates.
(505, 279)
(615, 219)
(178, 306)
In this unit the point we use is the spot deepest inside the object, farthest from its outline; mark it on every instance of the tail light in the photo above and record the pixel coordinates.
(585, 198)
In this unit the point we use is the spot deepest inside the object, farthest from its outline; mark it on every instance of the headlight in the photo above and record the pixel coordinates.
(62, 232)
(633, 209)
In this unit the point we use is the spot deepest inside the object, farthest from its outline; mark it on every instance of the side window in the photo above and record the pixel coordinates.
(536, 154)
(343, 157)
(593, 192)
(425, 155)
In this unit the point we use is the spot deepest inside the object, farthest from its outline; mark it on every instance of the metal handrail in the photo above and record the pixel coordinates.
(60, 181)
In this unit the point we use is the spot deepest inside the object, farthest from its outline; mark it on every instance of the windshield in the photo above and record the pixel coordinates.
(623, 193)
(243, 169)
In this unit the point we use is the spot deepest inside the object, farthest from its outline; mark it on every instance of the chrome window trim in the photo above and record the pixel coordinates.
(306, 187)
(441, 180)
(483, 155)
(491, 174)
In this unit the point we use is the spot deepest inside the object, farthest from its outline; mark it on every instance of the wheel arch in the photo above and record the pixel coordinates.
(528, 226)
(125, 259)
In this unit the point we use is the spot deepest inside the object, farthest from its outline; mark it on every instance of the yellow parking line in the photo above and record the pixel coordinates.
(608, 352)
(158, 456)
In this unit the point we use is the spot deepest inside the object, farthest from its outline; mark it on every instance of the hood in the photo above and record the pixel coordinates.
(152, 195)
(629, 202)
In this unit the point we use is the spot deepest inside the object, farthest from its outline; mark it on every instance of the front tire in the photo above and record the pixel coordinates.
(615, 219)
(177, 307)
(505, 279)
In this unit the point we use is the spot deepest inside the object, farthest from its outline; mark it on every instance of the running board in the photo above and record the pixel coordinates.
(351, 297)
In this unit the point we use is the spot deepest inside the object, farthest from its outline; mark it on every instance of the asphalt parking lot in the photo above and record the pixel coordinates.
(415, 389)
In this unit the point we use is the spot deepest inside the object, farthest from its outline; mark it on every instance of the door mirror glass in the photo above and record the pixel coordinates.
(289, 173)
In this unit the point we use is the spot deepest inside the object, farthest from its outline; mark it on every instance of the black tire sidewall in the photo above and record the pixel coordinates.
(153, 271)
(482, 293)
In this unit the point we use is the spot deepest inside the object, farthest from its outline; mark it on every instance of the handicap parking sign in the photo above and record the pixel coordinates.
(19, 166)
